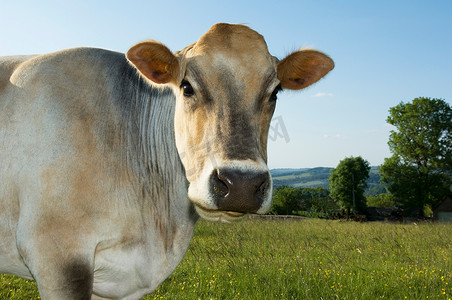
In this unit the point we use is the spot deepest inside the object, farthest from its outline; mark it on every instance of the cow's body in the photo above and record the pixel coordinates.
(107, 161)
(85, 167)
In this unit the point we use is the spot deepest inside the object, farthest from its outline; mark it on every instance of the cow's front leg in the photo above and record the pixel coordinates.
(75, 281)
(61, 262)
(94, 297)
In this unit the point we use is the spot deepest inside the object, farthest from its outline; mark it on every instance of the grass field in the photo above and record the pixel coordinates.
(304, 259)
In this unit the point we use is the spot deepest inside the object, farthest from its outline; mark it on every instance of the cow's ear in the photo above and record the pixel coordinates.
(155, 61)
(303, 68)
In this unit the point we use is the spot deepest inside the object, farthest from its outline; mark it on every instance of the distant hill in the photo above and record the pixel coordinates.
(301, 177)
(314, 177)
(277, 172)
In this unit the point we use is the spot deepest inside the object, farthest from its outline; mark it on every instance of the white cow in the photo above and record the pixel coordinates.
(107, 160)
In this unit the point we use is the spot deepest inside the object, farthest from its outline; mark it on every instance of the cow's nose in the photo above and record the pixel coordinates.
(240, 191)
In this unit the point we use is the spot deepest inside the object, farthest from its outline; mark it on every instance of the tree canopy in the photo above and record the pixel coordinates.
(348, 181)
(419, 171)
(286, 201)
(294, 201)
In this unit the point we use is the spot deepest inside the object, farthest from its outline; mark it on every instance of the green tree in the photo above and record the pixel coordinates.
(381, 200)
(348, 181)
(302, 201)
(419, 172)
(317, 199)
(286, 201)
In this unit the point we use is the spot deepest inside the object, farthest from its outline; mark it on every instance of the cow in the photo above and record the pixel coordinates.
(107, 160)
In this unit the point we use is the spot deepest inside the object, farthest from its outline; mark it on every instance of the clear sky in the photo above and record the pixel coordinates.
(385, 52)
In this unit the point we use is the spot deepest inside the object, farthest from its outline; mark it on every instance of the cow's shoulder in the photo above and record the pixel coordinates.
(8, 64)
(70, 65)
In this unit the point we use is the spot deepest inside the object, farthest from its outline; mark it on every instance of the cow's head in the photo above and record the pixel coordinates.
(225, 86)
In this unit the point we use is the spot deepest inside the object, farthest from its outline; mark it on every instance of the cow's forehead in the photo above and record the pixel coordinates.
(227, 37)
(231, 48)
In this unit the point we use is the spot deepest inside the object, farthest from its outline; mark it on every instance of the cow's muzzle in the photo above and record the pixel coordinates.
(239, 191)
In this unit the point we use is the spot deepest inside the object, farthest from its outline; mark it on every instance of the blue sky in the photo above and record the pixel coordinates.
(385, 52)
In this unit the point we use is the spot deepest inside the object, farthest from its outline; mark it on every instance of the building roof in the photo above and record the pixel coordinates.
(446, 205)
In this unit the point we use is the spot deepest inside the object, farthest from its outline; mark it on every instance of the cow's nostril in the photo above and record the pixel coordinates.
(219, 185)
(262, 190)
(220, 188)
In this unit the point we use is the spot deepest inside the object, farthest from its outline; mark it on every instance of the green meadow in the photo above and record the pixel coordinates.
(303, 259)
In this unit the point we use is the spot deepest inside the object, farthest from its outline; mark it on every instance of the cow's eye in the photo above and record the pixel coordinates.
(274, 95)
(187, 88)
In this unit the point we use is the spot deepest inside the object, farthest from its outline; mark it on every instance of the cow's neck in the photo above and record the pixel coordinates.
(154, 163)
